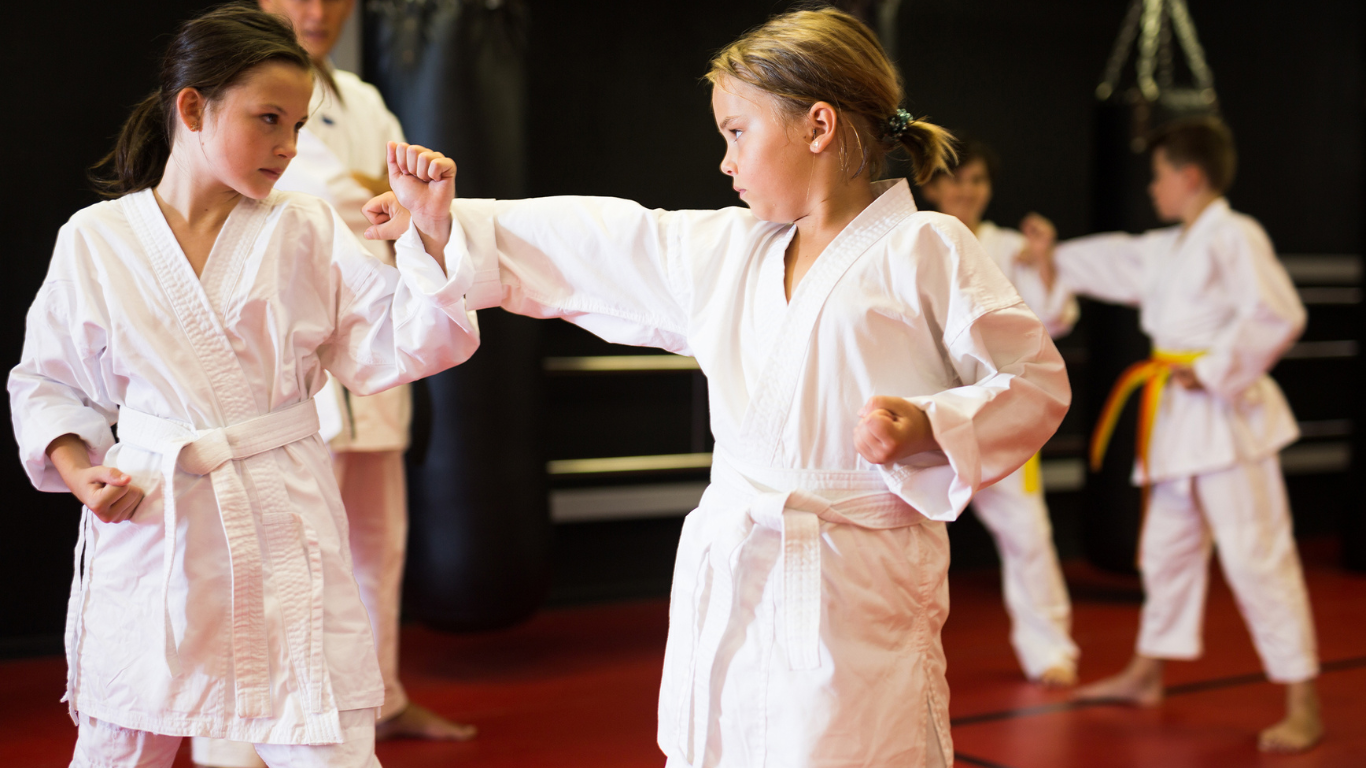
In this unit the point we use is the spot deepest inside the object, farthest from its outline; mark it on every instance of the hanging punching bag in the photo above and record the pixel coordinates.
(479, 541)
(1124, 117)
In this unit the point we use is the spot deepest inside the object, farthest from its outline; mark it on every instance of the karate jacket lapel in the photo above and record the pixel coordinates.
(292, 545)
(771, 403)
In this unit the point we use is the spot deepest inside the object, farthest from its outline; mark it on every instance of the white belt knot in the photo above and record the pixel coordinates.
(797, 515)
(210, 452)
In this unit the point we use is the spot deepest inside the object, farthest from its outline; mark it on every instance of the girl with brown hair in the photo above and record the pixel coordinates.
(197, 309)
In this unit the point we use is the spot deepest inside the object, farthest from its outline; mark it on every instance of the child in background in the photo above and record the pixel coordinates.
(341, 160)
(1013, 510)
(869, 370)
(1220, 310)
(198, 310)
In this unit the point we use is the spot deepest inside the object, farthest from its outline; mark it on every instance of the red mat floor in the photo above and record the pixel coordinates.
(576, 688)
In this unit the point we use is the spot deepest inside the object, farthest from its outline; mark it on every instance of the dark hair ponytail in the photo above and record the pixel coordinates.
(211, 54)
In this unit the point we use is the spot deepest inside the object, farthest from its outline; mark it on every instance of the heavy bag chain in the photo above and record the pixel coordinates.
(1153, 22)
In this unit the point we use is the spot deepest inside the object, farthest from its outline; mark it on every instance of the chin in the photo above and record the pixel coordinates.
(771, 213)
(256, 191)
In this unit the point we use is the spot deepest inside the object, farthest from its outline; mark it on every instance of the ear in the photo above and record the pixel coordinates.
(1195, 178)
(821, 122)
(190, 108)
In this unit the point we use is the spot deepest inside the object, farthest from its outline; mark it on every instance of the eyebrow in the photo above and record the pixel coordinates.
(726, 121)
(284, 111)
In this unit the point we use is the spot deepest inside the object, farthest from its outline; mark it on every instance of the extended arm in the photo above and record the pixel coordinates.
(1106, 266)
(397, 325)
(610, 266)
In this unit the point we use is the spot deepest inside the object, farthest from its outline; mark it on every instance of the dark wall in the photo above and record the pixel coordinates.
(1290, 83)
(71, 77)
(618, 108)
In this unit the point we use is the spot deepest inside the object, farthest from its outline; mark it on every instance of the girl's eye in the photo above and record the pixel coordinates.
(736, 133)
(271, 118)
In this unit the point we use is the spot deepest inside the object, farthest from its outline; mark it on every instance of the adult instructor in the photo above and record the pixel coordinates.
(341, 158)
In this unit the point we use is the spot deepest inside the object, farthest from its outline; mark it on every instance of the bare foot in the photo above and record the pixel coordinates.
(1059, 676)
(1291, 735)
(1302, 727)
(418, 722)
(1139, 684)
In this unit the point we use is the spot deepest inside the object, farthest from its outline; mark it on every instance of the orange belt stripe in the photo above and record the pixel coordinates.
(1151, 374)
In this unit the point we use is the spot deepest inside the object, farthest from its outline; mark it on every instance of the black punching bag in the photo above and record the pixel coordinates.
(1113, 505)
(479, 540)
(1124, 118)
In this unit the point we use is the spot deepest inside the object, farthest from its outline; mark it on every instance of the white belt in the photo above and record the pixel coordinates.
(796, 514)
(792, 502)
(212, 452)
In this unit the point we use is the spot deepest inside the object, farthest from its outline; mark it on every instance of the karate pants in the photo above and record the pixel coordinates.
(105, 745)
(1244, 511)
(376, 498)
(1035, 593)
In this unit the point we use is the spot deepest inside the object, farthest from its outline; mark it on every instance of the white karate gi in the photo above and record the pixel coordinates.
(1215, 288)
(345, 135)
(1014, 510)
(226, 608)
(810, 586)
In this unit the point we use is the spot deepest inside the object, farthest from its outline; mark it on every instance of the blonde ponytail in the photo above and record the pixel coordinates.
(932, 149)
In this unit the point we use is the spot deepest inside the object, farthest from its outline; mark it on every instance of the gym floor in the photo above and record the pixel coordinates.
(576, 687)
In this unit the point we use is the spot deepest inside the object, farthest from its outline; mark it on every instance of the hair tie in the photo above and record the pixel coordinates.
(896, 124)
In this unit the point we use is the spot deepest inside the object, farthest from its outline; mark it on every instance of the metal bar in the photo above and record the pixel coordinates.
(1321, 350)
(1320, 269)
(1326, 428)
(1316, 458)
(619, 363)
(619, 464)
(630, 502)
(1321, 296)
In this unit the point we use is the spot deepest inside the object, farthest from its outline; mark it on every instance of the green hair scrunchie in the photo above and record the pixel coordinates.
(896, 124)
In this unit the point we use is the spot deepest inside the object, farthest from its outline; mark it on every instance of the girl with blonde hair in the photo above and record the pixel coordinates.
(869, 370)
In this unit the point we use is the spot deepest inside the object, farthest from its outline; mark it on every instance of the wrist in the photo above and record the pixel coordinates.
(69, 456)
(438, 228)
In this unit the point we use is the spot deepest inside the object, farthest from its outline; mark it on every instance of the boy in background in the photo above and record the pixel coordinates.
(1220, 310)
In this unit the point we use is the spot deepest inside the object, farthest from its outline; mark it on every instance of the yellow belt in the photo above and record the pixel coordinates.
(1032, 475)
(1151, 374)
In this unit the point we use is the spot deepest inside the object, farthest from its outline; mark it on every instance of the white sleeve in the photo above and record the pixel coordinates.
(610, 266)
(395, 324)
(1107, 266)
(1056, 307)
(58, 387)
(1013, 394)
(1269, 314)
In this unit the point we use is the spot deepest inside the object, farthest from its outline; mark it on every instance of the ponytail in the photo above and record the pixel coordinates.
(211, 54)
(140, 153)
(931, 149)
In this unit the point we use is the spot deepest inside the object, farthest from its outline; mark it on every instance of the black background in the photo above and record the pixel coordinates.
(618, 107)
